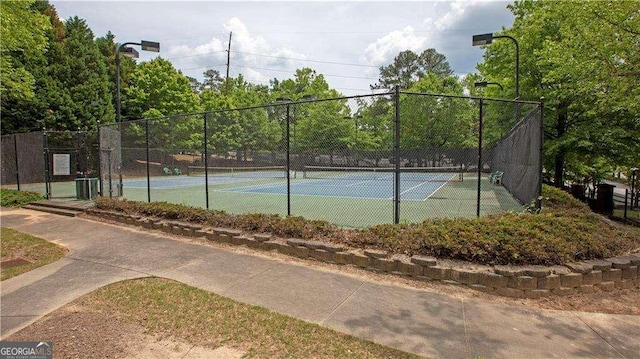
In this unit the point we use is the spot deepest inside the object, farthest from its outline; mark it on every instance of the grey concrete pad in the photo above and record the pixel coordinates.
(620, 331)
(217, 270)
(295, 290)
(415, 321)
(510, 331)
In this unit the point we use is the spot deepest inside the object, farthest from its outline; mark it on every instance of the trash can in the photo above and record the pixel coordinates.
(577, 191)
(86, 188)
(604, 199)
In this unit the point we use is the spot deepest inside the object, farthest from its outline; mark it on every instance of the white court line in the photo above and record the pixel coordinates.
(357, 183)
(437, 189)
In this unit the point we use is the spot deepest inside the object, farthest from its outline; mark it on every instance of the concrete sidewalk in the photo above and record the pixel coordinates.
(418, 321)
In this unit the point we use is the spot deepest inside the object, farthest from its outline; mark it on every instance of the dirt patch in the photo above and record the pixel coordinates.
(78, 331)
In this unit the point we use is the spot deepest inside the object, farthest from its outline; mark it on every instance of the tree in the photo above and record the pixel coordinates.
(22, 49)
(586, 67)
(408, 68)
(88, 80)
(430, 124)
(157, 89)
(244, 131)
(212, 81)
(107, 47)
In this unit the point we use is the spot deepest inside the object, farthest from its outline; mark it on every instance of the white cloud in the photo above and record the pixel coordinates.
(251, 53)
(384, 49)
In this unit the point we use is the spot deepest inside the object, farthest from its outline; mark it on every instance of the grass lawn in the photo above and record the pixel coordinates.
(36, 250)
(171, 310)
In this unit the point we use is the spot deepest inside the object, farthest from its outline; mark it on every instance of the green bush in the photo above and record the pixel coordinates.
(565, 230)
(13, 198)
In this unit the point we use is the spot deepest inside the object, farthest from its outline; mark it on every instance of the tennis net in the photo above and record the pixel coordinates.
(239, 172)
(419, 174)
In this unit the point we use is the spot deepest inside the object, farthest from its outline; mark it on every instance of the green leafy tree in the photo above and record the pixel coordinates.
(22, 54)
(432, 123)
(586, 67)
(408, 68)
(157, 89)
(88, 80)
(245, 131)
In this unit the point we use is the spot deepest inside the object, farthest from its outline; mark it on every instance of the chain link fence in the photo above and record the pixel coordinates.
(354, 161)
(50, 162)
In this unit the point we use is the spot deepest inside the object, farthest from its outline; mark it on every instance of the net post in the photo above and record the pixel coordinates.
(288, 163)
(15, 152)
(396, 155)
(146, 136)
(206, 162)
(481, 103)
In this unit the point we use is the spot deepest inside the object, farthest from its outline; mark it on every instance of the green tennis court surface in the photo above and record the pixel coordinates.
(358, 201)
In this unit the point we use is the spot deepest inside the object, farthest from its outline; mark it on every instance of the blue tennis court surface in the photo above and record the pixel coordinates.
(411, 190)
(183, 181)
(413, 186)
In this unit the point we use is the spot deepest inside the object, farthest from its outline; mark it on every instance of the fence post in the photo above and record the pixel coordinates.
(15, 151)
(626, 195)
(479, 160)
(206, 162)
(288, 163)
(396, 155)
(540, 155)
(146, 137)
(100, 161)
(47, 180)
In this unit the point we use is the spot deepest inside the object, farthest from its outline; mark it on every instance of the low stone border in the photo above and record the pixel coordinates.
(509, 281)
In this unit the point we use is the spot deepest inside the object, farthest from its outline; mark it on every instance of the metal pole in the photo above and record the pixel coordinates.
(15, 150)
(626, 195)
(479, 160)
(540, 155)
(396, 155)
(288, 165)
(100, 162)
(110, 174)
(146, 135)
(206, 162)
(517, 106)
(47, 183)
(119, 115)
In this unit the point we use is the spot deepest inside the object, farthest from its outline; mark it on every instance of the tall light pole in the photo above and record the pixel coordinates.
(131, 53)
(486, 39)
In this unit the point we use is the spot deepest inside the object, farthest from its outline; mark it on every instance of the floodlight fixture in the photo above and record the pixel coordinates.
(487, 83)
(482, 39)
(150, 46)
(130, 52)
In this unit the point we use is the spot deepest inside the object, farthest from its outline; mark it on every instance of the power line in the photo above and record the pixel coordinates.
(307, 60)
(202, 54)
(293, 72)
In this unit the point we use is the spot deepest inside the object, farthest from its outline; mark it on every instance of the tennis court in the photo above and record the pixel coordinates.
(371, 183)
(330, 195)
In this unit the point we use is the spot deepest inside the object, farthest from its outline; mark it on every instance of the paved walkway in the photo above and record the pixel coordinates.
(418, 321)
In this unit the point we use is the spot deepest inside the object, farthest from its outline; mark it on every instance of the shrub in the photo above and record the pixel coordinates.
(14, 198)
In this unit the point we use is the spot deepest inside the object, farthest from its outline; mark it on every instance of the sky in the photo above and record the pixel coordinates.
(347, 42)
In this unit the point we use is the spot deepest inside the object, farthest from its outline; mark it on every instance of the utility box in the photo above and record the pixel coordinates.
(604, 199)
(86, 188)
